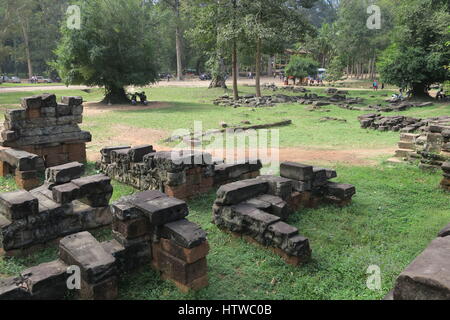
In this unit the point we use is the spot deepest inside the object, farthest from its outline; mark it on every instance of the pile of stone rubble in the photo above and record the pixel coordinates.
(257, 208)
(181, 174)
(398, 123)
(149, 229)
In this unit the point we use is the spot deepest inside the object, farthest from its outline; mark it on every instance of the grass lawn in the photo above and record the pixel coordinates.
(397, 211)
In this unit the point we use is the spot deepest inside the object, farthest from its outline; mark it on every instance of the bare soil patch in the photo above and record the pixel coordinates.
(97, 108)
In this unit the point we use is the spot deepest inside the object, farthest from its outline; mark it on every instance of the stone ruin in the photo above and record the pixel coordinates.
(25, 167)
(428, 276)
(258, 208)
(431, 147)
(65, 204)
(42, 128)
(445, 183)
(398, 123)
(180, 174)
(148, 229)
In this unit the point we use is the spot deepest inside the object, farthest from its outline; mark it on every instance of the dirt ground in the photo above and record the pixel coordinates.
(93, 109)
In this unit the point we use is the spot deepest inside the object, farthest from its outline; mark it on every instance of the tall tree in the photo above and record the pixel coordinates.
(114, 48)
(418, 55)
(269, 23)
(175, 6)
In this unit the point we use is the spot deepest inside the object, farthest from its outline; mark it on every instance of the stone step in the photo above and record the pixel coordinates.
(403, 153)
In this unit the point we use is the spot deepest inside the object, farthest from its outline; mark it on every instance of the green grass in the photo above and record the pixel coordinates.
(397, 211)
(24, 84)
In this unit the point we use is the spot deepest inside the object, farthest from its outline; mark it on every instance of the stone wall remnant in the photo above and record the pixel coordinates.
(180, 174)
(48, 129)
(65, 204)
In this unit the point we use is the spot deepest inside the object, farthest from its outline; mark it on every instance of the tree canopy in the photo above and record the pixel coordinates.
(113, 48)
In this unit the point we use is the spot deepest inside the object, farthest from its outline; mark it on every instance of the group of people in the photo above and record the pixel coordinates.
(142, 97)
(34, 79)
(375, 85)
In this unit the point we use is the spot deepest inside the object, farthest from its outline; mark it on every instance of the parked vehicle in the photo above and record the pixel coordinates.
(14, 80)
(41, 79)
(205, 76)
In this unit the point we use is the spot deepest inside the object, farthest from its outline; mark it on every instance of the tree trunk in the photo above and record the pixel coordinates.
(270, 67)
(258, 67)
(27, 48)
(114, 95)
(235, 72)
(419, 90)
(218, 79)
(178, 42)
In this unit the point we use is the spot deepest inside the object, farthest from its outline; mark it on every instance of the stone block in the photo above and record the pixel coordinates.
(64, 173)
(34, 102)
(184, 233)
(21, 160)
(428, 276)
(72, 101)
(278, 186)
(105, 290)
(137, 153)
(65, 193)
(340, 190)
(296, 171)
(18, 205)
(163, 210)
(13, 289)
(188, 255)
(83, 250)
(240, 191)
(443, 233)
(47, 281)
(132, 228)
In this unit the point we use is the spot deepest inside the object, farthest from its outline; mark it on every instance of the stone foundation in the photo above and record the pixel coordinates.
(398, 123)
(180, 174)
(67, 203)
(257, 208)
(47, 129)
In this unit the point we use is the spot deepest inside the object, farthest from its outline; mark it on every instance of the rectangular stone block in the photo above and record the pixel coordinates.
(428, 276)
(240, 191)
(18, 205)
(34, 102)
(278, 186)
(443, 233)
(64, 173)
(188, 255)
(12, 289)
(340, 190)
(21, 160)
(296, 171)
(83, 250)
(163, 210)
(76, 151)
(106, 152)
(94, 184)
(178, 269)
(137, 153)
(184, 233)
(131, 229)
(279, 232)
(65, 193)
(47, 281)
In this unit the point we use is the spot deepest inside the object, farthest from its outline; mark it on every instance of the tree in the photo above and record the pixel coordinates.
(114, 48)
(418, 55)
(270, 23)
(301, 67)
(335, 70)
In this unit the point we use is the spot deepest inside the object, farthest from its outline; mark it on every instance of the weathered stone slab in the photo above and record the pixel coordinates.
(280, 232)
(296, 171)
(428, 276)
(278, 186)
(137, 153)
(18, 205)
(236, 192)
(184, 233)
(93, 184)
(34, 102)
(13, 289)
(163, 210)
(83, 250)
(340, 190)
(65, 193)
(47, 280)
(64, 173)
(22, 160)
